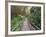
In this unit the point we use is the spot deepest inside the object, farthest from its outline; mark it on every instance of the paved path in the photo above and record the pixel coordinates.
(27, 26)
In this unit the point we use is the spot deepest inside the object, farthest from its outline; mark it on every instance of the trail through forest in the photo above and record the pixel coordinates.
(25, 18)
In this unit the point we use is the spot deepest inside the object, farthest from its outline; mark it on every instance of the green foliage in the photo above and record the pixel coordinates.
(16, 23)
(36, 16)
